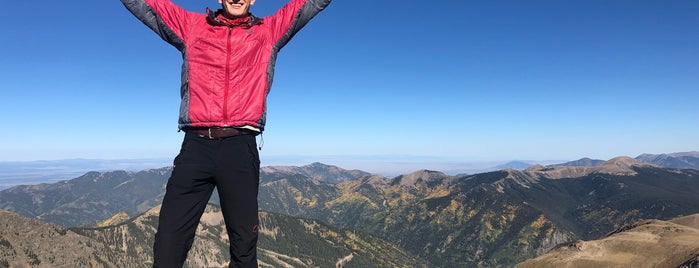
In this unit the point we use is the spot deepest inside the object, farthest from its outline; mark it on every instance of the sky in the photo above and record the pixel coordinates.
(371, 81)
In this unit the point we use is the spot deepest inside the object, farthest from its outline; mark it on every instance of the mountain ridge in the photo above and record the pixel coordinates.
(680, 160)
(622, 165)
(320, 171)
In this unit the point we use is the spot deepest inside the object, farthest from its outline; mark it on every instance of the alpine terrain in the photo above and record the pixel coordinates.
(322, 215)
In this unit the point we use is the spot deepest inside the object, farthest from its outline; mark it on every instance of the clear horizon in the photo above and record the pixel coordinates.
(456, 80)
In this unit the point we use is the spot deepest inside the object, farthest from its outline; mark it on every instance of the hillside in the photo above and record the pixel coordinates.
(646, 243)
(88, 199)
(26, 242)
(284, 242)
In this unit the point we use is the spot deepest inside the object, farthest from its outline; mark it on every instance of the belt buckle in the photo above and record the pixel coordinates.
(210, 137)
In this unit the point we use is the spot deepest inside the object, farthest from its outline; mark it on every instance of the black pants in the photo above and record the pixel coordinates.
(232, 165)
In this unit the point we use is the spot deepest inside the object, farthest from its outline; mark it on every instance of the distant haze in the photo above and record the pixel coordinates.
(35, 172)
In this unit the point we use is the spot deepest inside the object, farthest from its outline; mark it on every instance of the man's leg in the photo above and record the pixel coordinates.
(237, 180)
(188, 191)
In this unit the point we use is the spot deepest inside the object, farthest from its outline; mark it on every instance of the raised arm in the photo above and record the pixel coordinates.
(292, 17)
(168, 20)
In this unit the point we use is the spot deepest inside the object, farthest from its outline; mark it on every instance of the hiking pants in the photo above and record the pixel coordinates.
(232, 165)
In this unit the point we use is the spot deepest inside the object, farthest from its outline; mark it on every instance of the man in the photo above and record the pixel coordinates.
(229, 57)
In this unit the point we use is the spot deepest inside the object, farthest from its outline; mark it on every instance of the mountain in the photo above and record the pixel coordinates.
(319, 171)
(26, 242)
(582, 162)
(519, 165)
(683, 160)
(616, 166)
(293, 193)
(450, 221)
(674, 160)
(645, 243)
(14, 173)
(590, 201)
(284, 242)
(95, 196)
(88, 199)
(493, 219)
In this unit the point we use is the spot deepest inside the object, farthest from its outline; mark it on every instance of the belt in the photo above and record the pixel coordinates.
(217, 132)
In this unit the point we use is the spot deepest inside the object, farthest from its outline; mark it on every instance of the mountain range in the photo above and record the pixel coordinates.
(496, 218)
(14, 173)
(128, 244)
(675, 160)
(93, 196)
(492, 219)
(682, 160)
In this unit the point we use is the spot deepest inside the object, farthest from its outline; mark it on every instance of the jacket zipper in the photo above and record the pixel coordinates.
(227, 83)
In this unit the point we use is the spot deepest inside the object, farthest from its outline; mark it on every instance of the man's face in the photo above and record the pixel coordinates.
(236, 8)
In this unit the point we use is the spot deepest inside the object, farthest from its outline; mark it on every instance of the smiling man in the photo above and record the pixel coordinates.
(229, 56)
(236, 9)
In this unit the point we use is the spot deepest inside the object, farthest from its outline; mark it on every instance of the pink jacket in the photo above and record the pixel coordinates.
(227, 70)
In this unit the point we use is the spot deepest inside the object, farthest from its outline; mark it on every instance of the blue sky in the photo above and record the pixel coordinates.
(439, 80)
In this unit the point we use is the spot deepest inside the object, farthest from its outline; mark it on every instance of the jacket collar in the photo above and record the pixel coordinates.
(213, 19)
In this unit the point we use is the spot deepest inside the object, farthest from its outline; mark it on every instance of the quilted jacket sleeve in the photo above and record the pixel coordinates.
(292, 17)
(169, 21)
